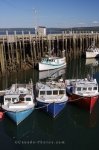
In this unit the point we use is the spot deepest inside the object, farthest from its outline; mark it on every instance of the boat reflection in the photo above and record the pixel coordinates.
(22, 130)
(52, 73)
(49, 128)
(92, 62)
(81, 118)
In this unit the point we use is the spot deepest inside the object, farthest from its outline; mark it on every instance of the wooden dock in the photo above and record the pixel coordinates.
(22, 51)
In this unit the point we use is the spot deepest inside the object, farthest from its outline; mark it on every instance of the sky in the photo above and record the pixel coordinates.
(49, 13)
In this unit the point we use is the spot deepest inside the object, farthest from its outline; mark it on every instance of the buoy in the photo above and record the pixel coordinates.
(1, 114)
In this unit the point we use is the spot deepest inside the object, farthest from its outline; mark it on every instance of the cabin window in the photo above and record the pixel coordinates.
(14, 99)
(84, 89)
(8, 99)
(95, 88)
(22, 99)
(28, 99)
(21, 92)
(90, 88)
(42, 92)
(55, 92)
(49, 92)
(61, 91)
(79, 89)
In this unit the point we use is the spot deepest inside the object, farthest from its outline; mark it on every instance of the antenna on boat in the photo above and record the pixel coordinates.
(16, 84)
(35, 20)
(31, 82)
(92, 72)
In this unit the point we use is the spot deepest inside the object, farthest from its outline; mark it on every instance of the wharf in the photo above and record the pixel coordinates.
(23, 51)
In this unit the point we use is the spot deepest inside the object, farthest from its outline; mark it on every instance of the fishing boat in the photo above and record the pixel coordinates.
(51, 62)
(92, 51)
(18, 102)
(83, 92)
(51, 96)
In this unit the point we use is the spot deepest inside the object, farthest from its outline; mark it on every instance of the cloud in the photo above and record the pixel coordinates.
(95, 22)
(81, 23)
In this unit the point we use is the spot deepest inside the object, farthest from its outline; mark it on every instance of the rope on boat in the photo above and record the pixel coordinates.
(75, 99)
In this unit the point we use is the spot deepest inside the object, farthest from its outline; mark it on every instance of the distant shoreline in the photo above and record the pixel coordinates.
(49, 30)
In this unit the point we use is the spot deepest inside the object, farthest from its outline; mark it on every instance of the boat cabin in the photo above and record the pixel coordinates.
(51, 94)
(84, 87)
(53, 60)
(16, 99)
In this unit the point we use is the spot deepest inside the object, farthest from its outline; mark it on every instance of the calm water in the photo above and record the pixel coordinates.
(73, 129)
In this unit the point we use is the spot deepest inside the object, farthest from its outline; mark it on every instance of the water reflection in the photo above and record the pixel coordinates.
(92, 62)
(71, 126)
(21, 131)
(18, 77)
(52, 73)
(76, 68)
(74, 126)
(83, 119)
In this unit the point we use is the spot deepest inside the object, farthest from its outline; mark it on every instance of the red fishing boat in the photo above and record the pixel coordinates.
(83, 92)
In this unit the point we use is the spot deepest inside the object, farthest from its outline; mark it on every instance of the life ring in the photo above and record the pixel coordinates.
(1, 114)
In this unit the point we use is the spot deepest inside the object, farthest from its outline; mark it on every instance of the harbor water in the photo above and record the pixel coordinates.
(72, 129)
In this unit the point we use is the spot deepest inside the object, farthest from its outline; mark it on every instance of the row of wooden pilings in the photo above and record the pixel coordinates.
(25, 50)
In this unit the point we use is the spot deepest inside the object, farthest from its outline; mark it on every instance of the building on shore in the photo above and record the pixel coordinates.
(40, 30)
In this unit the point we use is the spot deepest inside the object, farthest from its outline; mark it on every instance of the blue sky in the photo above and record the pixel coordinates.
(49, 13)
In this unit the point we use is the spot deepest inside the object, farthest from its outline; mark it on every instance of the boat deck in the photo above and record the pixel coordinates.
(51, 85)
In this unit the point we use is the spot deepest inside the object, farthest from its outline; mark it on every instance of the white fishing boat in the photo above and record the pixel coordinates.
(92, 51)
(51, 96)
(83, 92)
(51, 62)
(18, 102)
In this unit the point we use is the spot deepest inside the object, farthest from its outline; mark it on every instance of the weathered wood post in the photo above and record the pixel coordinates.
(2, 59)
(31, 45)
(23, 45)
(9, 56)
(16, 48)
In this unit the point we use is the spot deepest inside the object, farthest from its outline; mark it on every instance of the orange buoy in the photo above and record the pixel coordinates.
(1, 114)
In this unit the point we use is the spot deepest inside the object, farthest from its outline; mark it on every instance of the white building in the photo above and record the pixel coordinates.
(41, 31)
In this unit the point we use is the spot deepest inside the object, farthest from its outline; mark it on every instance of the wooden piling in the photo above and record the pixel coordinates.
(16, 49)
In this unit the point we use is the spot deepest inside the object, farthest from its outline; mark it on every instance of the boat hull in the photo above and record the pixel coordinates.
(44, 67)
(19, 116)
(53, 109)
(84, 101)
(92, 54)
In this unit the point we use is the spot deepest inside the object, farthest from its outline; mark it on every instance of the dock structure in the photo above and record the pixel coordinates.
(20, 51)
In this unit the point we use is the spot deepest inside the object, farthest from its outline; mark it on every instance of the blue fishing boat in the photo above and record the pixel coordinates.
(18, 102)
(51, 96)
